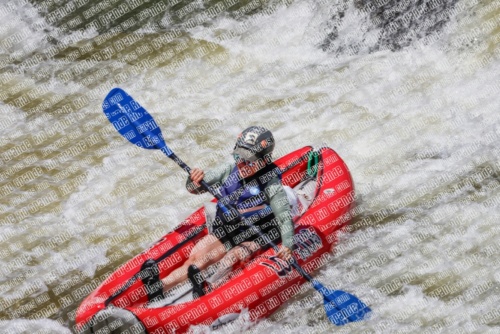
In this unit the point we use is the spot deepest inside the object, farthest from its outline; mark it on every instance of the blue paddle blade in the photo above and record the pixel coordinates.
(132, 121)
(341, 307)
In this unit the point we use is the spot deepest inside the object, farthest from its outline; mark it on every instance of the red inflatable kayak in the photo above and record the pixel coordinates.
(260, 285)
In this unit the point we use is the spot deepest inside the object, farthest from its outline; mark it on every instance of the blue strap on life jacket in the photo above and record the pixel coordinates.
(250, 194)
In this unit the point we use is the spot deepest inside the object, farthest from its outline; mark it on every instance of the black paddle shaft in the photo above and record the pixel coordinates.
(207, 187)
(198, 231)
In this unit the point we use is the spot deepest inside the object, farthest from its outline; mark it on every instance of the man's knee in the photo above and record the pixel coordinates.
(242, 253)
(204, 243)
(231, 257)
(194, 258)
(202, 258)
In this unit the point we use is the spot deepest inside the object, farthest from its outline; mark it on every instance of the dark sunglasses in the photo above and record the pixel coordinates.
(239, 159)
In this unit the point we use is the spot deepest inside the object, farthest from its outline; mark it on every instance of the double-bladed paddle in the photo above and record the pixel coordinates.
(134, 123)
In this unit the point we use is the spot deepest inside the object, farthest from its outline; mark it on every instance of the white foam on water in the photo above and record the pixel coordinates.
(399, 119)
(419, 77)
(32, 29)
(25, 23)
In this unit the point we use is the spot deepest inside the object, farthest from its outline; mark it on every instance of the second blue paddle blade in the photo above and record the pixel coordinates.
(342, 307)
(132, 121)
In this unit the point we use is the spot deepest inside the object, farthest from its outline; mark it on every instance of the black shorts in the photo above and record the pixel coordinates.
(231, 235)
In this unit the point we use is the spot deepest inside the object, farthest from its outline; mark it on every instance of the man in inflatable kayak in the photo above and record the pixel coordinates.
(252, 185)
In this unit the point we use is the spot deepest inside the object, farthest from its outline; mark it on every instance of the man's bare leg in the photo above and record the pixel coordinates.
(206, 252)
(238, 254)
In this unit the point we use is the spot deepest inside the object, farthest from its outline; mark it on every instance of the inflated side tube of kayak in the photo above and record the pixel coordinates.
(113, 320)
(261, 285)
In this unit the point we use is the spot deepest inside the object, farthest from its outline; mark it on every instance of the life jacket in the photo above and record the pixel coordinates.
(246, 193)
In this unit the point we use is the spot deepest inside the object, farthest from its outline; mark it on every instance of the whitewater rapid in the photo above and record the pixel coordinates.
(407, 94)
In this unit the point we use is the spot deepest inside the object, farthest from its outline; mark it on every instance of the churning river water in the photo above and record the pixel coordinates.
(407, 92)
